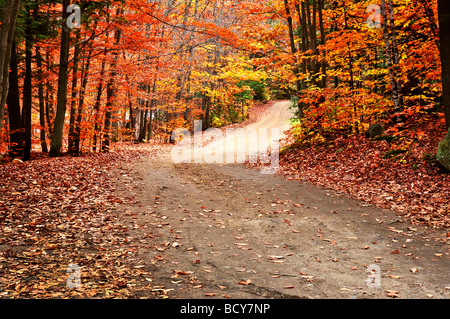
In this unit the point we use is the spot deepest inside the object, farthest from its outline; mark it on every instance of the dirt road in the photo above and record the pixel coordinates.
(239, 145)
(227, 231)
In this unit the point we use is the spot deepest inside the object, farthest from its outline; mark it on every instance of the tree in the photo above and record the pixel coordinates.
(28, 85)
(8, 15)
(444, 36)
(63, 79)
(296, 70)
(392, 57)
(111, 91)
(13, 101)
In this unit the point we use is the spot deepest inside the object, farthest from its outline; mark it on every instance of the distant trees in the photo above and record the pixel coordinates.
(343, 73)
(138, 69)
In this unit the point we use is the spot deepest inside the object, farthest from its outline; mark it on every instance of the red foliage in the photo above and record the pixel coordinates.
(409, 182)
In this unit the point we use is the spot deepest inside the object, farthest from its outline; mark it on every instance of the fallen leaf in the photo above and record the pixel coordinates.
(275, 257)
(393, 293)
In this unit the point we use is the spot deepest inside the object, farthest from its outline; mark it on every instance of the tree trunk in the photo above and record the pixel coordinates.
(73, 101)
(396, 56)
(144, 125)
(79, 118)
(97, 106)
(63, 79)
(398, 107)
(312, 38)
(152, 104)
(305, 38)
(41, 100)
(392, 58)
(206, 124)
(49, 99)
(323, 82)
(295, 69)
(444, 35)
(8, 16)
(304, 45)
(27, 89)
(13, 101)
(132, 115)
(110, 93)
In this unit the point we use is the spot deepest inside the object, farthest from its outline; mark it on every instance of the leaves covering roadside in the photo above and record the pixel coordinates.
(64, 211)
(399, 175)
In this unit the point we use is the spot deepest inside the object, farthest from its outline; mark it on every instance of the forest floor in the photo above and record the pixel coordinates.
(140, 226)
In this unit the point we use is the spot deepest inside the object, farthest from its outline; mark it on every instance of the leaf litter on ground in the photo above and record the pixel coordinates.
(60, 212)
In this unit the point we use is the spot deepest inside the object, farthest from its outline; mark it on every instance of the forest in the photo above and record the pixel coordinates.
(131, 70)
(82, 82)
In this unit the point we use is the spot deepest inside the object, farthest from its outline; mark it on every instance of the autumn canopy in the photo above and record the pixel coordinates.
(86, 74)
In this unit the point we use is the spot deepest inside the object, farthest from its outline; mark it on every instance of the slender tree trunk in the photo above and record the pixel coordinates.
(41, 99)
(79, 118)
(206, 123)
(304, 45)
(73, 101)
(143, 129)
(149, 129)
(396, 64)
(305, 34)
(322, 40)
(132, 115)
(13, 101)
(8, 15)
(398, 107)
(152, 104)
(110, 94)
(294, 51)
(27, 89)
(63, 79)
(312, 26)
(351, 79)
(97, 106)
(49, 99)
(305, 26)
(444, 35)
